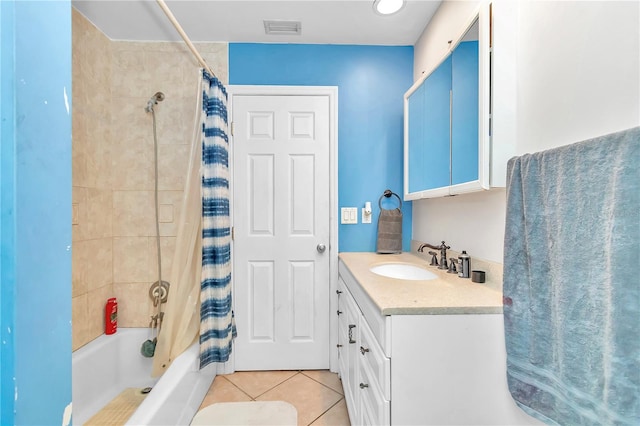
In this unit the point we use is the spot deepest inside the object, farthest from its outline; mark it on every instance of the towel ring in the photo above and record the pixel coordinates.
(388, 194)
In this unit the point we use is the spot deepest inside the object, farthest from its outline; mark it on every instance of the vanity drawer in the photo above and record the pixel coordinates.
(374, 407)
(378, 323)
(371, 354)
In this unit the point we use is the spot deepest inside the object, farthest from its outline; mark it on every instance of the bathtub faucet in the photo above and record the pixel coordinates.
(443, 253)
(156, 320)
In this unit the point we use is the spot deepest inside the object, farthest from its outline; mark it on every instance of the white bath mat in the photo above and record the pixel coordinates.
(254, 413)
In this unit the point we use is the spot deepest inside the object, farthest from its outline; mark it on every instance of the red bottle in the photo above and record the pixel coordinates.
(111, 316)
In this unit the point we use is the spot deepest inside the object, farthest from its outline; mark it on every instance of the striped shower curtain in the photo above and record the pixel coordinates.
(216, 317)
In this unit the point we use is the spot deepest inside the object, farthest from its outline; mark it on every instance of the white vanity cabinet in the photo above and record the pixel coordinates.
(426, 368)
(363, 366)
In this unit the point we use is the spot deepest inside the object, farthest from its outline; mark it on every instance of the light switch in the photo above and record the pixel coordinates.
(349, 215)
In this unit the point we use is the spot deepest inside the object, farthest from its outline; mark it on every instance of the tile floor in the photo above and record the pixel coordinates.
(316, 394)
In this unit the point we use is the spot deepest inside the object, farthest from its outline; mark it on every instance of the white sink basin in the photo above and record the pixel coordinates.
(403, 271)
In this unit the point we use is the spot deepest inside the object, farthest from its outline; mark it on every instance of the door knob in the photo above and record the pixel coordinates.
(321, 248)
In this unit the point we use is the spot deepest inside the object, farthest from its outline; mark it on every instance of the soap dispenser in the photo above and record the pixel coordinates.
(464, 265)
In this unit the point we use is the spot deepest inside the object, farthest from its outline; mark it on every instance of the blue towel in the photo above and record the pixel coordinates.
(572, 282)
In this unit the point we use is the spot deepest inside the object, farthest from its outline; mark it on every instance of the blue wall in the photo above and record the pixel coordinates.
(371, 81)
(35, 198)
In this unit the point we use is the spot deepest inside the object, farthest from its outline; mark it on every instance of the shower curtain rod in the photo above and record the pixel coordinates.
(184, 36)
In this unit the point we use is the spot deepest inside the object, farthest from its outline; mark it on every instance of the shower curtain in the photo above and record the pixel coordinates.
(199, 301)
(182, 320)
(216, 317)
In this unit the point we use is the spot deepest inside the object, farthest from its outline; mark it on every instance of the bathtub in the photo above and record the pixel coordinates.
(109, 364)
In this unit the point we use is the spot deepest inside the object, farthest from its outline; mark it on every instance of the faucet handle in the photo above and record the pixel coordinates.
(434, 258)
(452, 265)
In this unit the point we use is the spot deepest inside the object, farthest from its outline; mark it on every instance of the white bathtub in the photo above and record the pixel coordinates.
(109, 364)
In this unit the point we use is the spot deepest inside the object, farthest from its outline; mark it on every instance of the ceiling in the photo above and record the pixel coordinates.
(323, 21)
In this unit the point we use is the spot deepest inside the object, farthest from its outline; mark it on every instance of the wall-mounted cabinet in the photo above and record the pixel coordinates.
(447, 119)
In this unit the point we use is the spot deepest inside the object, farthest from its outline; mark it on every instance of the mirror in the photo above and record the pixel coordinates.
(464, 108)
(444, 124)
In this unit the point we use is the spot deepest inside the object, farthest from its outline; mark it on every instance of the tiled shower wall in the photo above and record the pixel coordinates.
(92, 259)
(114, 251)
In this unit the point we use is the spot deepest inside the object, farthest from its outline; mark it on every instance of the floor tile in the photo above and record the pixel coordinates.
(223, 390)
(310, 398)
(336, 416)
(327, 378)
(255, 383)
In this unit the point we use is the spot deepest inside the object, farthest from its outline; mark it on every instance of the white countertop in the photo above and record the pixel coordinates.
(446, 294)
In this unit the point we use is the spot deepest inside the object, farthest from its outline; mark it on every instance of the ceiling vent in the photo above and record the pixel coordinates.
(283, 27)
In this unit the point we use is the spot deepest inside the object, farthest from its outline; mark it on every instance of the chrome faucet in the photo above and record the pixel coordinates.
(443, 253)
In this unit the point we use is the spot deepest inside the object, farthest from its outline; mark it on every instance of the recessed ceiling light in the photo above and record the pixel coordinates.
(283, 27)
(387, 7)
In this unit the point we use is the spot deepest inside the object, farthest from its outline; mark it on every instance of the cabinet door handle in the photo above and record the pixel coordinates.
(338, 311)
(351, 327)
(339, 345)
(338, 292)
(363, 385)
(363, 350)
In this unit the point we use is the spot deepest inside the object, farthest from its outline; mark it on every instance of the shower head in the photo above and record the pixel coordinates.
(157, 97)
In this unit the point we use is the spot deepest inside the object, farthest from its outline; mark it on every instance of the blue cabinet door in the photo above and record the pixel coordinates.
(464, 132)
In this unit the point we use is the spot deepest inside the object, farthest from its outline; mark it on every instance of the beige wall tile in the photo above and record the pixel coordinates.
(79, 321)
(79, 148)
(175, 119)
(95, 217)
(165, 213)
(99, 263)
(134, 305)
(167, 72)
(98, 155)
(78, 165)
(79, 197)
(130, 76)
(92, 259)
(173, 199)
(131, 259)
(168, 248)
(123, 46)
(192, 78)
(99, 105)
(173, 161)
(134, 213)
(79, 266)
(102, 76)
(131, 124)
(133, 167)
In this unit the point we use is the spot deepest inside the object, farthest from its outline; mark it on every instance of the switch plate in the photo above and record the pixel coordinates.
(366, 218)
(349, 215)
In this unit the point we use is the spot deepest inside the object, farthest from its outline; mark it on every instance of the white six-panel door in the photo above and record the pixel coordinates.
(281, 205)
